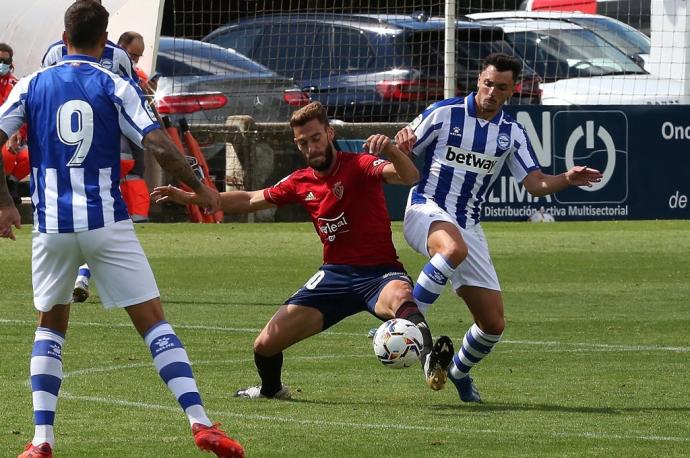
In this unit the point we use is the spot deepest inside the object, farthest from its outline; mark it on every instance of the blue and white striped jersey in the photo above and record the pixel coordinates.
(113, 58)
(464, 156)
(76, 111)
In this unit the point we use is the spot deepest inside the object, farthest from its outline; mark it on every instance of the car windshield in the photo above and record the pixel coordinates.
(557, 54)
(203, 59)
(622, 36)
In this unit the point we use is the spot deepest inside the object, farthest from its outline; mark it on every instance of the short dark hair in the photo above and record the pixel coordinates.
(4, 47)
(85, 22)
(503, 63)
(309, 112)
(127, 37)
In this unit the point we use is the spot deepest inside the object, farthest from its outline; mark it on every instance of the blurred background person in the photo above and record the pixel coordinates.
(15, 154)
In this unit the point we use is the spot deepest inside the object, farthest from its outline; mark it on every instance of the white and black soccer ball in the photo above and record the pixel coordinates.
(397, 343)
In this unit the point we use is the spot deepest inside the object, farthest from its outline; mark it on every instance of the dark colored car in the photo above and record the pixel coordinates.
(364, 68)
(207, 83)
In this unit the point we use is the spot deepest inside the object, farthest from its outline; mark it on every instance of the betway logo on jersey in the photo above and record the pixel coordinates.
(469, 160)
(330, 227)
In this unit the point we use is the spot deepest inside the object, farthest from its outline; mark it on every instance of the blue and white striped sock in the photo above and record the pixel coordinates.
(432, 279)
(46, 378)
(172, 364)
(84, 274)
(475, 346)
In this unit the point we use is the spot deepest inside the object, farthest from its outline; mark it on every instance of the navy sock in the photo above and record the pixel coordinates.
(269, 368)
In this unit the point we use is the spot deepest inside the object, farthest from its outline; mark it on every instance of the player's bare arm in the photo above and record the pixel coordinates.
(401, 170)
(539, 183)
(9, 216)
(231, 201)
(167, 155)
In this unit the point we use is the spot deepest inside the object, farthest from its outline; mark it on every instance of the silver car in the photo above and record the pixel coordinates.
(206, 83)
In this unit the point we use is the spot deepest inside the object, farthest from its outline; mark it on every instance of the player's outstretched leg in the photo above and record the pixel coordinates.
(81, 286)
(476, 345)
(172, 363)
(46, 378)
(269, 368)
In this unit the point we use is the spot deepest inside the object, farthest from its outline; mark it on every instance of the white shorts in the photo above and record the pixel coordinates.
(477, 269)
(117, 262)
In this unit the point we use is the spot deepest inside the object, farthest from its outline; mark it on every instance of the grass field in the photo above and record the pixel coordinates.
(595, 359)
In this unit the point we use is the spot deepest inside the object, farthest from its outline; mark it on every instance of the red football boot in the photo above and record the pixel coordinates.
(37, 451)
(212, 439)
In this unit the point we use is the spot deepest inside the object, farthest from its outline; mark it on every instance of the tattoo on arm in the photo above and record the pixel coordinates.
(170, 159)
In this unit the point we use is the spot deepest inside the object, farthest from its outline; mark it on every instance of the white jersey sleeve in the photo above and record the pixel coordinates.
(522, 160)
(136, 117)
(426, 127)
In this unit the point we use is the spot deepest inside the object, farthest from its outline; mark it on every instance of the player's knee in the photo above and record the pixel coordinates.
(494, 326)
(398, 297)
(455, 252)
(264, 347)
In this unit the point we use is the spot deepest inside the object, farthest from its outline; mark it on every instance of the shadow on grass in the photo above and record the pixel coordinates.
(505, 407)
(228, 303)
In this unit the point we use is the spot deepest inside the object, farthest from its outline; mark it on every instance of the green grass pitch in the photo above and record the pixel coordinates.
(595, 359)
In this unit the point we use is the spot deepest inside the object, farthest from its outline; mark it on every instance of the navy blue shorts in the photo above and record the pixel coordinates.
(339, 291)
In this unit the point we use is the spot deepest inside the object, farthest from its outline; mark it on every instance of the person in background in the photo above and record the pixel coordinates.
(15, 154)
(134, 189)
(133, 43)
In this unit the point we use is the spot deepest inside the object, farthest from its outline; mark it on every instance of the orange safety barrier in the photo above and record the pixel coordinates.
(196, 215)
(195, 149)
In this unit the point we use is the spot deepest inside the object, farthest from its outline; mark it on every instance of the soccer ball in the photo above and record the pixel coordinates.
(397, 343)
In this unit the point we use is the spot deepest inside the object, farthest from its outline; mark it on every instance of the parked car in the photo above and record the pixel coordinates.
(636, 13)
(631, 41)
(368, 68)
(208, 83)
(205, 83)
(579, 67)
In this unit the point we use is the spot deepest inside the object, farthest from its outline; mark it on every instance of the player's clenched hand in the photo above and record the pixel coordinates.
(172, 194)
(583, 176)
(377, 144)
(405, 139)
(9, 216)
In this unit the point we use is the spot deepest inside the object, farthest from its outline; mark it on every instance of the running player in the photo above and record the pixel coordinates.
(343, 193)
(76, 112)
(467, 141)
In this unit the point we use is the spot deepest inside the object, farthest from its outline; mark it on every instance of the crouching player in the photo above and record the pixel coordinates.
(343, 193)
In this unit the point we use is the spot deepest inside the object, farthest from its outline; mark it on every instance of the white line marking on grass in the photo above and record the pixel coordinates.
(613, 347)
(620, 347)
(379, 426)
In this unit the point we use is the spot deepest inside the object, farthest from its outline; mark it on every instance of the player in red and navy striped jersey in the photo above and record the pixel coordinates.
(343, 194)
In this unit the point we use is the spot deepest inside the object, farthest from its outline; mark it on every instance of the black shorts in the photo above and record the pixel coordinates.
(339, 291)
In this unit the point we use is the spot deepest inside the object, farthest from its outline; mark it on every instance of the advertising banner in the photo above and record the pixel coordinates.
(643, 152)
